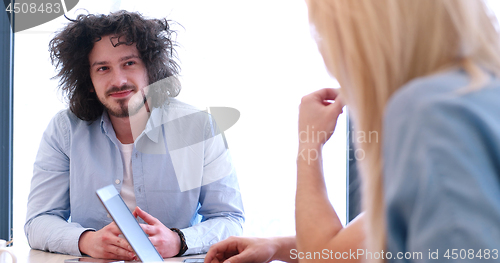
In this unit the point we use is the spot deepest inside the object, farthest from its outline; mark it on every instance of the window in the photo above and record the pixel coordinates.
(6, 60)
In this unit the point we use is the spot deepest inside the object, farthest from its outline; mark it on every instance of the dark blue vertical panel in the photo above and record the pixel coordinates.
(6, 116)
(353, 180)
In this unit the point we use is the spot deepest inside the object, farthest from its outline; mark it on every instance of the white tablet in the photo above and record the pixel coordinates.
(129, 226)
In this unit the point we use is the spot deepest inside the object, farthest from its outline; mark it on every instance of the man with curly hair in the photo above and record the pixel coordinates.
(124, 127)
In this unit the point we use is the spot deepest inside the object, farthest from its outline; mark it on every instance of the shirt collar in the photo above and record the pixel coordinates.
(106, 124)
(158, 117)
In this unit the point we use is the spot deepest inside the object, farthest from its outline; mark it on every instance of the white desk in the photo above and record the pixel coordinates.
(27, 255)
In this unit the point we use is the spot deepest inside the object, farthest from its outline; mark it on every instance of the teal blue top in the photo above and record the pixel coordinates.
(441, 152)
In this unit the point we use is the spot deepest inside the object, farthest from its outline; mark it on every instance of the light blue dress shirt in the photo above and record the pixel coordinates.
(192, 185)
(442, 170)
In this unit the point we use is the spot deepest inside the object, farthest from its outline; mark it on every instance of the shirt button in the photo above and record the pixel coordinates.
(117, 181)
(108, 216)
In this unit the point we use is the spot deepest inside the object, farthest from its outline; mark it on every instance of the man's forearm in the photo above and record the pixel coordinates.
(54, 234)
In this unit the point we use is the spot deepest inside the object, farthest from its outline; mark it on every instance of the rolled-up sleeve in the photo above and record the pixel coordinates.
(48, 210)
(221, 205)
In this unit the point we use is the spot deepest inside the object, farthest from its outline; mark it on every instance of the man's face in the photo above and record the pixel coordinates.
(117, 74)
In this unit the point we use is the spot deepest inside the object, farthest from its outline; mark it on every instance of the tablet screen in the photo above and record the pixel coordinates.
(127, 223)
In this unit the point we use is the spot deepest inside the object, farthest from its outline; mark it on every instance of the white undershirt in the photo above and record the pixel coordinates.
(127, 191)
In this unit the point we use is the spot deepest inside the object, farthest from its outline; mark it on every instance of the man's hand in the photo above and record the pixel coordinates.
(106, 244)
(167, 242)
(242, 250)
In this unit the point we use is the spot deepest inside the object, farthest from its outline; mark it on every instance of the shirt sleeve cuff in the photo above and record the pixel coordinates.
(73, 237)
(194, 243)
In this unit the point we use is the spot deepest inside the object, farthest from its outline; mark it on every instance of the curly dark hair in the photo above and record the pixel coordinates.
(70, 48)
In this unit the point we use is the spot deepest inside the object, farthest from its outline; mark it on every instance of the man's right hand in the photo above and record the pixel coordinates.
(106, 244)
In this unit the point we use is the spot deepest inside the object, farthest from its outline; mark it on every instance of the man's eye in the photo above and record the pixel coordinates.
(130, 63)
(102, 68)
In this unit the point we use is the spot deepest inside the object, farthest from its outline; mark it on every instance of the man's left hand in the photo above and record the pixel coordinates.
(166, 241)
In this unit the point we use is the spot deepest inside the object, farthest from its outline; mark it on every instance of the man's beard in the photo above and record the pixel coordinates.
(126, 107)
(120, 112)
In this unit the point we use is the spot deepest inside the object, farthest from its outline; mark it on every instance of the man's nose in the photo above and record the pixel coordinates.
(119, 78)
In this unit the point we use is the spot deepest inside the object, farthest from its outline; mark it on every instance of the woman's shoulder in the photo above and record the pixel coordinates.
(444, 95)
(421, 92)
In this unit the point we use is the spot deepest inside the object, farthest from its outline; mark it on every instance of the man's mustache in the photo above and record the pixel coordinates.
(122, 88)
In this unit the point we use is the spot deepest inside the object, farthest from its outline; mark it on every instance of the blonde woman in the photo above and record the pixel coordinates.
(424, 75)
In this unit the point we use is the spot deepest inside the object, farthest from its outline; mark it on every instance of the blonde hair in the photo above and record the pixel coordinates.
(375, 47)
